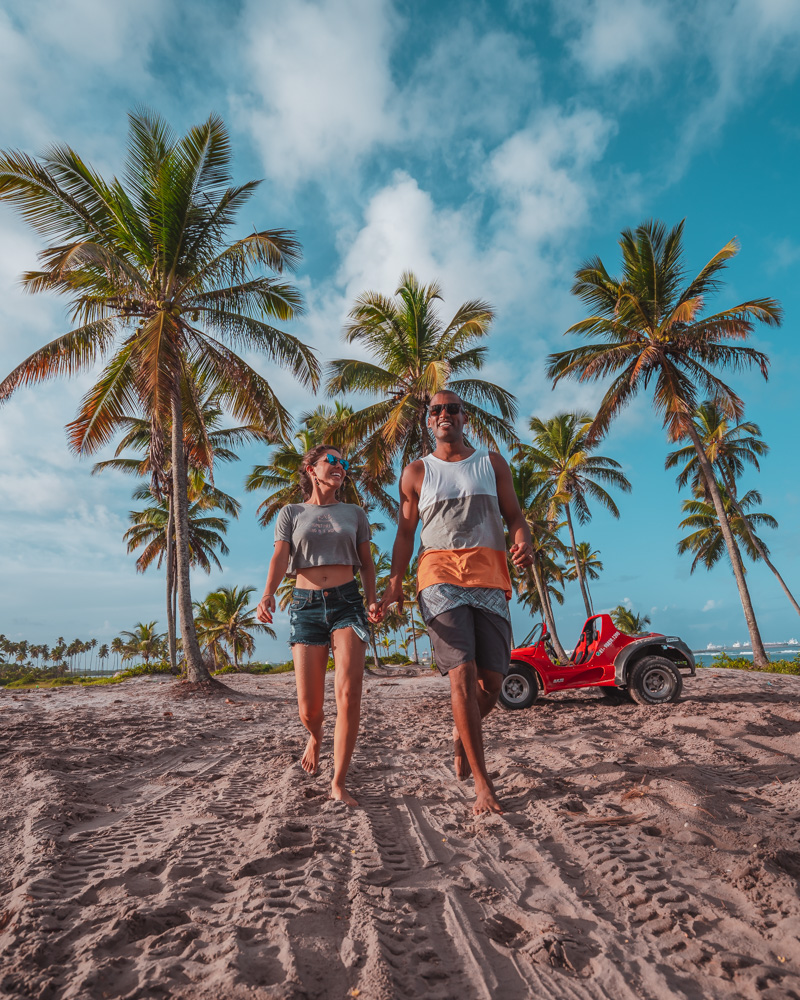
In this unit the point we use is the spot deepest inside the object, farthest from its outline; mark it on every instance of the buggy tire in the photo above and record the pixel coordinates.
(655, 680)
(520, 687)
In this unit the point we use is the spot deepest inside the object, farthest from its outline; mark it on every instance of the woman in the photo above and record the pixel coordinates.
(322, 541)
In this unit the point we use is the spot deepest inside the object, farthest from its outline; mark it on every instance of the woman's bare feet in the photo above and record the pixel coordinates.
(462, 765)
(486, 802)
(310, 761)
(340, 792)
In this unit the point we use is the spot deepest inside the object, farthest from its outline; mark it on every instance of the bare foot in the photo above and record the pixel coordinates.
(486, 802)
(462, 765)
(310, 761)
(340, 792)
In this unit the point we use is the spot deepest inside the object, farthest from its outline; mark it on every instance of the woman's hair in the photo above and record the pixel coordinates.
(311, 458)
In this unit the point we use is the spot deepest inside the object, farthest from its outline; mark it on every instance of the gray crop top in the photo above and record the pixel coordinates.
(322, 536)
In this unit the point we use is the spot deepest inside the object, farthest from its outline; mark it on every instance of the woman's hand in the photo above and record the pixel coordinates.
(266, 609)
(375, 612)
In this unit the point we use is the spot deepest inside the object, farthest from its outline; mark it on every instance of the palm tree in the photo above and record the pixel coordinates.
(205, 442)
(648, 326)
(562, 455)
(544, 572)
(415, 355)
(102, 654)
(589, 567)
(116, 648)
(154, 528)
(157, 291)
(706, 540)
(324, 425)
(144, 641)
(627, 621)
(223, 619)
(728, 448)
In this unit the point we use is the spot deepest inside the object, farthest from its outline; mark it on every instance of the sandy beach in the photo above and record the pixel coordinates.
(162, 846)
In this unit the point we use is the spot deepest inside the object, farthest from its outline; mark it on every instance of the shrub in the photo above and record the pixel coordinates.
(258, 668)
(745, 663)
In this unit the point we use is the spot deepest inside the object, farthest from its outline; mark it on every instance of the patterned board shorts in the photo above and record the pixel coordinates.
(315, 614)
(465, 633)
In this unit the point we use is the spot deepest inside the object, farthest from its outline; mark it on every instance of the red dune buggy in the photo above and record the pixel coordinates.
(647, 668)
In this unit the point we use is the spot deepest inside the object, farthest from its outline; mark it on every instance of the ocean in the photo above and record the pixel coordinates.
(775, 651)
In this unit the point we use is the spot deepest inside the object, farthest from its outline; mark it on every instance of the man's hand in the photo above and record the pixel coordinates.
(266, 609)
(522, 554)
(392, 595)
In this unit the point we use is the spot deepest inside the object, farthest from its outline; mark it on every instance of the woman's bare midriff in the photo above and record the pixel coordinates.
(320, 577)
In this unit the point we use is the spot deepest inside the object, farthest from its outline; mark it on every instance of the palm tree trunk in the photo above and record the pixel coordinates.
(547, 611)
(589, 593)
(760, 658)
(425, 439)
(754, 539)
(373, 643)
(577, 564)
(170, 588)
(196, 670)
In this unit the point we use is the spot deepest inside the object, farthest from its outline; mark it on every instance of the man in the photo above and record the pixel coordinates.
(462, 495)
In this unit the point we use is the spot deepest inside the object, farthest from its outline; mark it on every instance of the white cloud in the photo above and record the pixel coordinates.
(542, 174)
(742, 46)
(710, 605)
(614, 35)
(474, 83)
(54, 56)
(320, 87)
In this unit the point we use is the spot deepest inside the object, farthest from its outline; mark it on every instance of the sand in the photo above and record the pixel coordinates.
(154, 846)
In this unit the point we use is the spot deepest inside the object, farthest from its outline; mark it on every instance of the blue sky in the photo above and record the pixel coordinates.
(491, 147)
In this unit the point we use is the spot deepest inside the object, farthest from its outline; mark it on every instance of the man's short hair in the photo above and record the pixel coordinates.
(446, 392)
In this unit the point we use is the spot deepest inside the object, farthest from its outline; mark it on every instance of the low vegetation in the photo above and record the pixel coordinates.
(744, 663)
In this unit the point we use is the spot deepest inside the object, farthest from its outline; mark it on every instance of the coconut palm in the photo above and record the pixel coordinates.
(706, 540)
(589, 567)
(563, 457)
(205, 442)
(157, 291)
(324, 425)
(154, 527)
(647, 326)
(149, 530)
(544, 573)
(627, 621)
(729, 447)
(415, 355)
(143, 641)
(223, 619)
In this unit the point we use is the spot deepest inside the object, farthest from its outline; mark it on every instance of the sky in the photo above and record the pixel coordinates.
(491, 147)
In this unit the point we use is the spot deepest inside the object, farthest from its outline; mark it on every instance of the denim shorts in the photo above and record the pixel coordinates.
(315, 614)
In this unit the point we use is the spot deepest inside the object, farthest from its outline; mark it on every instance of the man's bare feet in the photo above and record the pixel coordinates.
(310, 761)
(462, 765)
(486, 802)
(340, 792)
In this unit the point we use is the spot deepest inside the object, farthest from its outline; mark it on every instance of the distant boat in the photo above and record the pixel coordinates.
(713, 645)
(736, 645)
(793, 642)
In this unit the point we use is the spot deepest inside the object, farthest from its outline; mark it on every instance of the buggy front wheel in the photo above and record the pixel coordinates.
(655, 680)
(520, 687)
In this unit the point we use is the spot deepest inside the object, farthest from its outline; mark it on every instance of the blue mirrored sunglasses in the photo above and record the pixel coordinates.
(333, 459)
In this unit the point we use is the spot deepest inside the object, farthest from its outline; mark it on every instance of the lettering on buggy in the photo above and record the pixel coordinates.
(605, 645)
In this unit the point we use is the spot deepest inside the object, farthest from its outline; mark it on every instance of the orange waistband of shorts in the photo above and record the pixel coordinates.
(477, 567)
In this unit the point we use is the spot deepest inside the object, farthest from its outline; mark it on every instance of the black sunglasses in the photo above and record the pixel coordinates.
(452, 408)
